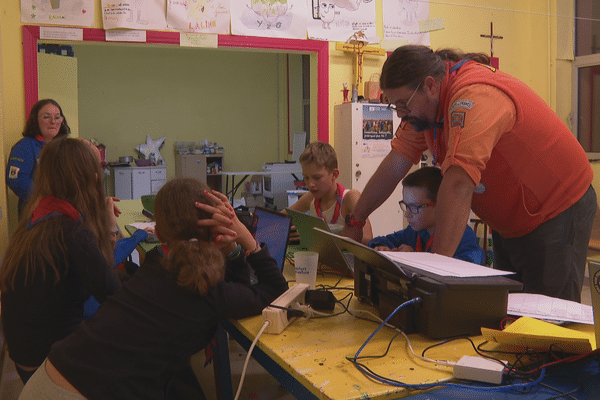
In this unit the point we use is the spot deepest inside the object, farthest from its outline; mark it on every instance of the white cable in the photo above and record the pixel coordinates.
(237, 395)
(408, 343)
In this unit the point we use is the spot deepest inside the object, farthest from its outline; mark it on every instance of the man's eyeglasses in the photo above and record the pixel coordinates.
(414, 208)
(395, 107)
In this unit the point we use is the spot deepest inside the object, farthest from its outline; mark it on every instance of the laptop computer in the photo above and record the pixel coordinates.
(594, 267)
(330, 253)
(273, 229)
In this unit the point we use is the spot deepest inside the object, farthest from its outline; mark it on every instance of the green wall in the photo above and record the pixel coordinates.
(185, 94)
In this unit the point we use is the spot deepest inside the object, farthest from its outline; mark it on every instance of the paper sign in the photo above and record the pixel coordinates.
(61, 33)
(432, 24)
(391, 45)
(199, 40)
(125, 35)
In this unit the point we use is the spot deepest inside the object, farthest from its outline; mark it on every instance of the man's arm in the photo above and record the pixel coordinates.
(452, 210)
(381, 185)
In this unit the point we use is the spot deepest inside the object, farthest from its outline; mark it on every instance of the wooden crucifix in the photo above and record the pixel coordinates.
(359, 48)
(491, 37)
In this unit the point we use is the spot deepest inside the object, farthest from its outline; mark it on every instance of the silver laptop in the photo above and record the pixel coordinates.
(312, 240)
(594, 267)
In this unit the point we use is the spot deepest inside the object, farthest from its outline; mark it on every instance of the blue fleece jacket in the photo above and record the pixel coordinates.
(22, 163)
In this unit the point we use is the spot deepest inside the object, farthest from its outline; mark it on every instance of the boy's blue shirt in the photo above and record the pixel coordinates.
(468, 249)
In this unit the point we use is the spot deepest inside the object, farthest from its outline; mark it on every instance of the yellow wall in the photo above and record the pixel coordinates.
(528, 51)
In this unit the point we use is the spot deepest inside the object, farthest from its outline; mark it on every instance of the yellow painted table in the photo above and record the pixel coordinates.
(309, 357)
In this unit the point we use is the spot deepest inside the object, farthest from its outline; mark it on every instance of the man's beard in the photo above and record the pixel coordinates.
(418, 124)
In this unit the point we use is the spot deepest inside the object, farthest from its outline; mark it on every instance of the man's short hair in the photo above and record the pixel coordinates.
(320, 154)
(429, 178)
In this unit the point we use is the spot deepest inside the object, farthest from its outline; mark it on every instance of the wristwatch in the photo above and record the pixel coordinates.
(351, 221)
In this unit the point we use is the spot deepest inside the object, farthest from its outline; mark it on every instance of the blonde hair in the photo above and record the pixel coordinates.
(320, 154)
(70, 171)
(196, 264)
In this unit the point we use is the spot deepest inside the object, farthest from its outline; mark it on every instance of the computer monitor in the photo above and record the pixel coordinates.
(330, 253)
(273, 229)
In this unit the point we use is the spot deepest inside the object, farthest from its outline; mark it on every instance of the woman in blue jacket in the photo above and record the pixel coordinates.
(46, 121)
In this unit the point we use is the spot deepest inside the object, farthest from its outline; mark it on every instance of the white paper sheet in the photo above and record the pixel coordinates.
(338, 20)
(135, 14)
(203, 16)
(401, 20)
(144, 225)
(58, 12)
(442, 265)
(549, 308)
(270, 18)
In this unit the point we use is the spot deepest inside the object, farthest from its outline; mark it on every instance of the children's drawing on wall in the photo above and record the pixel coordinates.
(337, 20)
(134, 14)
(58, 12)
(269, 18)
(202, 16)
(401, 20)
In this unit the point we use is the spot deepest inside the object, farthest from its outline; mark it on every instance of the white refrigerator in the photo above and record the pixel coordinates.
(362, 137)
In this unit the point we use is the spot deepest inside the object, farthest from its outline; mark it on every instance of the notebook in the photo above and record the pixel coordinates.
(330, 253)
(594, 267)
(273, 229)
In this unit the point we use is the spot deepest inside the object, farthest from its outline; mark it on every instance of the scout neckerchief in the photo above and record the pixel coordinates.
(338, 204)
(50, 207)
(440, 124)
(419, 245)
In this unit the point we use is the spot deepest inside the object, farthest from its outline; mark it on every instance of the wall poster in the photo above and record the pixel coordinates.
(58, 12)
(202, 16)
(269, 18)
(338, 20)
(401, 20)
(377, 130)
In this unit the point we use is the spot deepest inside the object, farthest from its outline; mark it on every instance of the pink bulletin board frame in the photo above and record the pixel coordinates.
(31, 34)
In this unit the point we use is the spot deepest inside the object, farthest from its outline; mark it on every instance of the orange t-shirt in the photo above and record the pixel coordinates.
(526, 164)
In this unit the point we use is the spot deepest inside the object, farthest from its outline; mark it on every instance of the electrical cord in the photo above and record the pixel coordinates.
(265, 325)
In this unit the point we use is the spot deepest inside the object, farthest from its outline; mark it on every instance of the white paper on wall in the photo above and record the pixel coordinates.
(58, 12)
(269, 18)
(338, 20)
(202, 16)
(134, 14)
(401, 20)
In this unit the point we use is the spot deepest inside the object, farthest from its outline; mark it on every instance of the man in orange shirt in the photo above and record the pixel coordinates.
(503, 152)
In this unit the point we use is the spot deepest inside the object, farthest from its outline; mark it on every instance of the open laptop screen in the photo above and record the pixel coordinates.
(273, 229)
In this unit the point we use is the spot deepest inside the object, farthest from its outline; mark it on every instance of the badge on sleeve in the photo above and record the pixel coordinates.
(457, 118)
(14, 172)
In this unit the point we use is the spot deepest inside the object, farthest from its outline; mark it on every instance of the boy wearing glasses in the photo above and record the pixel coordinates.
(419, 192)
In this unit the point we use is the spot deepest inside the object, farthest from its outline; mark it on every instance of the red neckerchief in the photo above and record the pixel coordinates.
(39, 138)
(338, 204)
(51, 206)
(419, 245)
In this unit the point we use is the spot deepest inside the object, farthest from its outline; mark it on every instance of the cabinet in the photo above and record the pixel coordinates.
(135, 182)
(205, 167)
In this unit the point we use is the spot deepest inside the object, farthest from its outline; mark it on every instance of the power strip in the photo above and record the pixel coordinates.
(277, 317)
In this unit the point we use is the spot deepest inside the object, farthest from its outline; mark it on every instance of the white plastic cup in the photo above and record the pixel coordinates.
(306, 263)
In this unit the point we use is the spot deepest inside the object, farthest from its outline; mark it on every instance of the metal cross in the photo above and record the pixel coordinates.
(491, 37)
